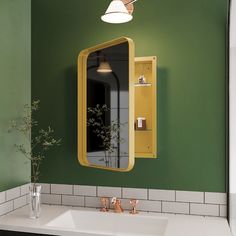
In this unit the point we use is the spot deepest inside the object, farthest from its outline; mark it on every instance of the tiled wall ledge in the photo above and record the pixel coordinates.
(13, 198)
(150, 200)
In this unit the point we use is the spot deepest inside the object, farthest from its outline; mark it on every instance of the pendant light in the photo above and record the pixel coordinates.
(117, 12)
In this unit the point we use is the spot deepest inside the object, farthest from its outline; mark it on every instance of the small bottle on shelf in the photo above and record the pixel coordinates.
(141, 79)
(141, 123)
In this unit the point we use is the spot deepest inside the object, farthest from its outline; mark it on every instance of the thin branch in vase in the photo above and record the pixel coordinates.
(37, 144)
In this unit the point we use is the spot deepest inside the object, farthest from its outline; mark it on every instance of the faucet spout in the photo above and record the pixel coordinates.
(117, 205)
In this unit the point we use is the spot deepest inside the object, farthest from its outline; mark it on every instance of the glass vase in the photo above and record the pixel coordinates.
(35, 201)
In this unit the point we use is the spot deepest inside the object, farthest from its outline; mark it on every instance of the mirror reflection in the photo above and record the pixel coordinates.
(107, 107)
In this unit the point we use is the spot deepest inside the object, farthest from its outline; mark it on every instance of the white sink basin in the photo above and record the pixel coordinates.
(110, 224)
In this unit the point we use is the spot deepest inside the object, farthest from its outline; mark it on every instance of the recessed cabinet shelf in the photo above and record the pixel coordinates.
(146, 107)
(143, 130)
(142, 85)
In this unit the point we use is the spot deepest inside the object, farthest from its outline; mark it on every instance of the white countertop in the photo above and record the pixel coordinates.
(178, 225)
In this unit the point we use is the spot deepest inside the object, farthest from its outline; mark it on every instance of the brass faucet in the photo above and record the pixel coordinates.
(117, 205)
(133, 203)
(104, 202)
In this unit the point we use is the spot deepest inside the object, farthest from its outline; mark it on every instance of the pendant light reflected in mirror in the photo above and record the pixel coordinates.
(104, 67)
(119, 11)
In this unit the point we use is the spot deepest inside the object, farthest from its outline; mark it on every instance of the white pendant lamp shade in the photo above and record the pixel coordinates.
(116, 13)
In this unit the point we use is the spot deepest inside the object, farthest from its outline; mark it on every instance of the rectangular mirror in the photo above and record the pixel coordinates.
(106, 105)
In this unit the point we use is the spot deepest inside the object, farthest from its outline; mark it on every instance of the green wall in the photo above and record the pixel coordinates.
(15, 86)
(188, 37)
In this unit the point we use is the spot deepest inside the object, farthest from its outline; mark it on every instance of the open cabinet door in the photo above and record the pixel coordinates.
(106, 105)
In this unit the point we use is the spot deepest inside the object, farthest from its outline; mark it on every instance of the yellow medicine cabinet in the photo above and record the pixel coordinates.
(116, 106)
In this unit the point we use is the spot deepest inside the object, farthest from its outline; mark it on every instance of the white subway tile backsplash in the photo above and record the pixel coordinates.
(92, 202)
(24, 189)
(61, 189)
(12, 193)
(223, 210)
(85, 190)
(189, 196)
(19, 202)
(51, 199)
(150, 200)
(45, 188)
(27, 198)
(109, 192)
(175, 207)
(2, 197)
(164, 195)
(204, 209)
(125, 203)
(69, 200)
(145, 205)
(6, 207)
(215, 198)
(137, 193)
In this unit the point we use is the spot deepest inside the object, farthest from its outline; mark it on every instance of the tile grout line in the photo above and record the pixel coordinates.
(5, 198)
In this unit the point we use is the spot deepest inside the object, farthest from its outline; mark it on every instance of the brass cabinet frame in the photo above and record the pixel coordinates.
(82, 103)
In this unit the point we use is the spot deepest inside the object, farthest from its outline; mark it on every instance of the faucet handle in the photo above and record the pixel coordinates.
(133, 203)
(113, 200)
(104, 202)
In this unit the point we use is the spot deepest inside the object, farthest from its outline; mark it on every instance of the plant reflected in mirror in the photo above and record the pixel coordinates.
(108, 135)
